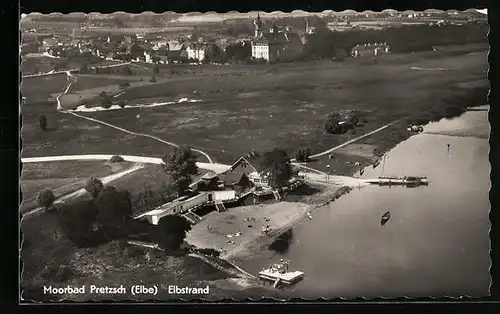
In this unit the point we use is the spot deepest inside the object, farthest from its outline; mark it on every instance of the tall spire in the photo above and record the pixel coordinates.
(258, 26)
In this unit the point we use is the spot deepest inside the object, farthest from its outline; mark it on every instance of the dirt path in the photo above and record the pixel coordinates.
(62, 109)
(355, 139)
(216, 167)
(105, 180)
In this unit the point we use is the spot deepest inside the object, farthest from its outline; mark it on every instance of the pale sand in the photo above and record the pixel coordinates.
(282, 216)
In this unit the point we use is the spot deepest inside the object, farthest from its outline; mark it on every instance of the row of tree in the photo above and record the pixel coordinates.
(328, 44)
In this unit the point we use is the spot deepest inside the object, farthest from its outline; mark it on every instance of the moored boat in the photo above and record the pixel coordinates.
(279, 273)
(409, 181)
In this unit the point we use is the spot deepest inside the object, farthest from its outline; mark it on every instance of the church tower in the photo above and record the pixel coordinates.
(258, 26)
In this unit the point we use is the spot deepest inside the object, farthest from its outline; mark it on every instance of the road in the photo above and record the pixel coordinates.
(215, 167)
(105, 180)
(63, 110)
(310, 174)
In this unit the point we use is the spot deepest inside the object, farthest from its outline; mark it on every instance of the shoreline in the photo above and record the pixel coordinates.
(330, 193)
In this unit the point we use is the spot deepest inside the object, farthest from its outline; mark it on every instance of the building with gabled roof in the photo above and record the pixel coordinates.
(274, 44)
(242, 172)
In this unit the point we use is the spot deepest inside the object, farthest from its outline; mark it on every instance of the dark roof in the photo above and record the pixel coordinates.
(231, 178)
(241, 159)
(278, 38)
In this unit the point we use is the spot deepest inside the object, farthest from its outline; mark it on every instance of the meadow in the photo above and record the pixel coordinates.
(261, 107)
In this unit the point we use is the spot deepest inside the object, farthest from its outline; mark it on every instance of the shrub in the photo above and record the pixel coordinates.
(94, 186)
(134, 250)
(332, 123)
(124, 85)
(114, 210)
(153, 79)
(45, 198)
(116, 158)
(77, 221)
(64, 273)
(172, 231)
(355, 117)
(42, 122)
(302, 155)
(156, 70)
(122, 105)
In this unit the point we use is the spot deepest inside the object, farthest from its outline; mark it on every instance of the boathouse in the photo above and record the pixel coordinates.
(241, 171)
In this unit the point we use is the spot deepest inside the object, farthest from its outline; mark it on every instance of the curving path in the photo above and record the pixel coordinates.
(63, 110)
(215, 167)
(331, 150)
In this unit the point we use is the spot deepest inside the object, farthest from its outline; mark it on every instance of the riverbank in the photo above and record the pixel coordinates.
(349, 160)
(445, 255)
(237, 233)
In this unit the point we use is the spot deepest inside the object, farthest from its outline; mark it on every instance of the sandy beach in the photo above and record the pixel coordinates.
(238, 231)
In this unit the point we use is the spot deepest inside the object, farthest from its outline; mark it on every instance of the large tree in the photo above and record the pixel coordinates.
(332, 123)
(114, 210)
(172, 231)
(180, 165)
(277, 164)
(46, 198)
(94, 186)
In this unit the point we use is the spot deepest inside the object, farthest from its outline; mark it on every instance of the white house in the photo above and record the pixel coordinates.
(147, 57)
(196, 53)
(259, 179)
(223, 195)
(260, 50)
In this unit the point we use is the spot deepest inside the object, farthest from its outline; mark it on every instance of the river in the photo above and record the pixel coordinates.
(437, 240)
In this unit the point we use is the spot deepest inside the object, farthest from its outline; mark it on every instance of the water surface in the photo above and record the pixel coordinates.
(436, 242)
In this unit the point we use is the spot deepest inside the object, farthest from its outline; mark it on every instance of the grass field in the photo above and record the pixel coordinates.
(285, 105)
(266, 106)
(62, 177)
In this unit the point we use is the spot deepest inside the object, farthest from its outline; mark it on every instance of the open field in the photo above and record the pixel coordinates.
(43, 88)
(261, 107)
(39, 89)
(62, 177)
(70, 135)
(37, 65)
(285, 105)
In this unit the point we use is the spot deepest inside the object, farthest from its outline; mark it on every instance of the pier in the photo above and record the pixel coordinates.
(406, 181)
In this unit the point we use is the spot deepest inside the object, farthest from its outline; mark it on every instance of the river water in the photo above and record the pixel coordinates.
(436, 242)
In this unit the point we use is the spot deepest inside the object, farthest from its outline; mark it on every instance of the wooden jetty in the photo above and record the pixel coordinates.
(407, 180)
(278, 273)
